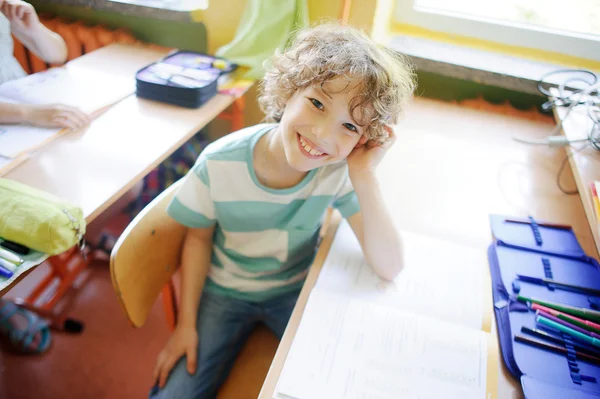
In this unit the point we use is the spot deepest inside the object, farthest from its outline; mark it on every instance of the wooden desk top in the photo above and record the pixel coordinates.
(585, 164)
(449, 169)
(95, 166)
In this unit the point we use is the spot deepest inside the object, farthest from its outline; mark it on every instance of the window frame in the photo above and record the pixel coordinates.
(585, 46)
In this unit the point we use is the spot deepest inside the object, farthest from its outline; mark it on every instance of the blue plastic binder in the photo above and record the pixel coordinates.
(541, 252)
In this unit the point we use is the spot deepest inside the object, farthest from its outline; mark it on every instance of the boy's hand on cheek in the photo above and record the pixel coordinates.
(364, 159)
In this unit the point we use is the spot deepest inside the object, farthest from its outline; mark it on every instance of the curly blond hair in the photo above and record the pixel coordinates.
(328, 51)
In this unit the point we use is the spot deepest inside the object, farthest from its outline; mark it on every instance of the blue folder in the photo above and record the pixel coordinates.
(537, 251)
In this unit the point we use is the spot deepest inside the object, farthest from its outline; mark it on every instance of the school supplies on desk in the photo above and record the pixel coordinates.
(545, 336)
(417, 336)
(557, 284)
(588, 314)
(184, 78)
(570, 318)
(557, 348)
(540, 255)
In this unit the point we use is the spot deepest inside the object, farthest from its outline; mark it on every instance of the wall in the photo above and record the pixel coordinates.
(191, 36)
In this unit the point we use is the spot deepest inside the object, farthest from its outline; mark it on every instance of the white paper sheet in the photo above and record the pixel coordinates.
(433, 269)
(16, 139)
(349, 349)
(73, 87)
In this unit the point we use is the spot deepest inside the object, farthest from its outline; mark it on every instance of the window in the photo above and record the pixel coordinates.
(571, 28)
(174, 5)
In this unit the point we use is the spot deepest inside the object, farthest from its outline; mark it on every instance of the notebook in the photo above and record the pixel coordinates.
(424, 335)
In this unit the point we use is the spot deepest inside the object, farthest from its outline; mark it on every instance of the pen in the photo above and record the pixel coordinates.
(576, 334)
(543, 224)
(581, 312)
(565, 286)
(589, 324)
(567, 324)
(544, 335)
(11, 257)
(556, 348)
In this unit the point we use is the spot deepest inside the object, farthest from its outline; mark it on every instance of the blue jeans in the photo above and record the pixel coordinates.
(223, 326)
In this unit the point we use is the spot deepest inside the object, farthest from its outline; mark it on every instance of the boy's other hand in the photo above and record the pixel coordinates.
(21, 15)
(366, 156)
(55, 115)
(184, 341)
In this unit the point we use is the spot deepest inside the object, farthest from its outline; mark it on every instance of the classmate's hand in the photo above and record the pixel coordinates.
(365, 157)
(184, 341)
(55, 115)
(21, 15)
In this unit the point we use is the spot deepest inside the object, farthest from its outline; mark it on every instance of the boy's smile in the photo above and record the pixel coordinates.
(310, 149)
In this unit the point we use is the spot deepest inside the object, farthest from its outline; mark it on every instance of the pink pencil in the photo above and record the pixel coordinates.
(554, 312)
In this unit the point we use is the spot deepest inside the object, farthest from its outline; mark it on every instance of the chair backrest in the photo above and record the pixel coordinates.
(146, 256)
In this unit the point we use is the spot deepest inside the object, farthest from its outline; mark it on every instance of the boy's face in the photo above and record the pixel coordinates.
(317, 128)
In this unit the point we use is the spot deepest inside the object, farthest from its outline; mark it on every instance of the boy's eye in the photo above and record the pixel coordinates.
(350, 127)
(318, 104)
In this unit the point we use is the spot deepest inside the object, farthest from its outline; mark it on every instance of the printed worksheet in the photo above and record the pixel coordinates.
(427, 285)
(351, 349)
(69, 86)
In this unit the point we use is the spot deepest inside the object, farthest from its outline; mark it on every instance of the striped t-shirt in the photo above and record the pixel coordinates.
(265, 239)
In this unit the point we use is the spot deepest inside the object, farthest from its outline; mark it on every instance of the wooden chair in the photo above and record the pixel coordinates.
(142, 265)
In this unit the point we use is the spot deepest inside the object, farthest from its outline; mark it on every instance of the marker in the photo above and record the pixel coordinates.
(7, 265)
(590, 325)
(544, 335)
(5, 273)
(576, 334)
(581, 312)
(11, 257)
(556, 348)
(13, 246)
(567, 324)
(565, 286)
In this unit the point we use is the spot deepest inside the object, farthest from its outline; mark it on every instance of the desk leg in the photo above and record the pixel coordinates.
(236, 114)
(170, 304)
(65, 268)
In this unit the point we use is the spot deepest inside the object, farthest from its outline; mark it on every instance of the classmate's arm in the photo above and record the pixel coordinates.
(12, 113)
(195, 263)
(27, 27)
(375, 231)
(53, 115)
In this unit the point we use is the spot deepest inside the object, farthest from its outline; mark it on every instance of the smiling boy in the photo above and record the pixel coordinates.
(255, 199)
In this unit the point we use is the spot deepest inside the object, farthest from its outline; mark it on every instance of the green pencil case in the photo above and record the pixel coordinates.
(38, 220)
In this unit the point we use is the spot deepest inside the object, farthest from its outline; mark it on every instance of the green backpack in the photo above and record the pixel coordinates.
(38, 220)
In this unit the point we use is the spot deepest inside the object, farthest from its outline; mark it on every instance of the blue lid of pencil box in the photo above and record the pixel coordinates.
(543, 374)
(184, 78)
(535, 235)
